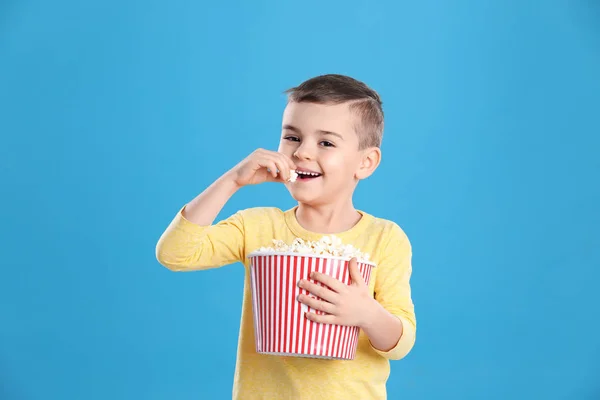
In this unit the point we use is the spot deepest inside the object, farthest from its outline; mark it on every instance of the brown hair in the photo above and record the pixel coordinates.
(337, 89)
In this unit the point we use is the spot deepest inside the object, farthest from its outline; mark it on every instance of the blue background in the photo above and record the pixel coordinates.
(113, 114)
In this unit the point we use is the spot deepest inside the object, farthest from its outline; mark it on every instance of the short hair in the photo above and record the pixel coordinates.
(338, 89)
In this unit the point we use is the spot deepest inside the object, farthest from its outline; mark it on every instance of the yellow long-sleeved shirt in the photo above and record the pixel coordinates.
(185, 246)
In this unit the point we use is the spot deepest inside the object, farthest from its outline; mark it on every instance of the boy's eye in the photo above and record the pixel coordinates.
(325, 143)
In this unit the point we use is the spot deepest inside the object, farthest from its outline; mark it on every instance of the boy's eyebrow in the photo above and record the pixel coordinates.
(322, 132)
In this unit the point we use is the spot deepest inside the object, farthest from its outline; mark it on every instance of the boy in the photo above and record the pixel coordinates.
(331, 134)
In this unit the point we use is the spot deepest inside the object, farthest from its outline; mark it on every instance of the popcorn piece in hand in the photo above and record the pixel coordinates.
(293, 176)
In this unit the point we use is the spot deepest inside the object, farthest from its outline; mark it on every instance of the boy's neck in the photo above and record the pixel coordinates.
(327, 219)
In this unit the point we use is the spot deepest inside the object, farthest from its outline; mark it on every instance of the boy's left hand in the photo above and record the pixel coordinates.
(349, 305)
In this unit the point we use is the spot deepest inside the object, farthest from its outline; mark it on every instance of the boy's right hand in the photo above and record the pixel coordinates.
(263, 166)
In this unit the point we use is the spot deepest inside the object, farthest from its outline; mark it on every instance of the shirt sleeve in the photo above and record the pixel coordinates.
(186, 246)
(393, 292)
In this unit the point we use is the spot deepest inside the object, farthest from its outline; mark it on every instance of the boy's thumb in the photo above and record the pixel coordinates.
(354, 272)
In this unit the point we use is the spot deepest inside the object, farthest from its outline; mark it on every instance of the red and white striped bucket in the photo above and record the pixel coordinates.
(280, 326)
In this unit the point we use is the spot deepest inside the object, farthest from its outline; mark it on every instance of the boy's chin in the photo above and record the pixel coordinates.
(307, 199)
(302, 197)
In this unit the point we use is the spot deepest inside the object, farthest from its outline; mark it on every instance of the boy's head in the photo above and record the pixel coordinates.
(333, 126)
(363, 103)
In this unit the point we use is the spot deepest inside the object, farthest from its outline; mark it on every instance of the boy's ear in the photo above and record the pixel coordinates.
(371, 158)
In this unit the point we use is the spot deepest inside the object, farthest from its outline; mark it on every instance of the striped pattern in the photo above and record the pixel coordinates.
(279, 323)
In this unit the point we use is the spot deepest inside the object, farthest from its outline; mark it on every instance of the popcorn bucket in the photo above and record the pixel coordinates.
(280, 326)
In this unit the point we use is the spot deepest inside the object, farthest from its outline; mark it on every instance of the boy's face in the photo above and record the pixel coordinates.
(322, 138)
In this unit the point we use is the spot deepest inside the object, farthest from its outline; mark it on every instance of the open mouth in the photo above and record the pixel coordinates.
(307, 175)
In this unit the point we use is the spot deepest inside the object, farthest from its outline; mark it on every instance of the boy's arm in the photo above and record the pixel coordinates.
(192, 242)
(206, 206)
(392, 328)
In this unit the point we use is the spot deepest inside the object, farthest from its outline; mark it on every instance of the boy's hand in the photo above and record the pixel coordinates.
(349, 305)
(263, 166)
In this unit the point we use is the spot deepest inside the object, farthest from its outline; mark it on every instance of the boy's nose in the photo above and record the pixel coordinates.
(302, 153)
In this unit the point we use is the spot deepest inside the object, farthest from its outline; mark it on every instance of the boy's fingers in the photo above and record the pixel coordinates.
(270, 166)
(317, 304)
(284, 172)
(273, 166)
(290, 163)
(322, 319)
(283, 162)
(319, 291)
(281, 172)
(355, 273)
(286, 165)
(333, 283)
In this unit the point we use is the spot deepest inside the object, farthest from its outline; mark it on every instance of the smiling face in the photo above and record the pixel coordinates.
(321, 139)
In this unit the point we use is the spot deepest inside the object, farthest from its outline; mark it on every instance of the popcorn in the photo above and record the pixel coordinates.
(293, 176)
(329, 245)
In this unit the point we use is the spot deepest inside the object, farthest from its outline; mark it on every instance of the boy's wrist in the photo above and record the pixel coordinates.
(228, 180)
(383, 329)
(374, 309)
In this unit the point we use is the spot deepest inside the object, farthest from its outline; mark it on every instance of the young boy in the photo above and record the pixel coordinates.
(331, 135)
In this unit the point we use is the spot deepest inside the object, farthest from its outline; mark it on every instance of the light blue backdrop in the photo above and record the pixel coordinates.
(113, 114)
